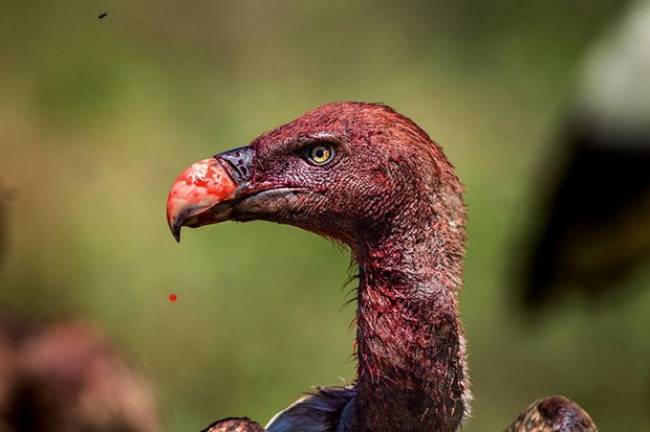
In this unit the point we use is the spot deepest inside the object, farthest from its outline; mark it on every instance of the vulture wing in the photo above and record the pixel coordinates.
(328, 410)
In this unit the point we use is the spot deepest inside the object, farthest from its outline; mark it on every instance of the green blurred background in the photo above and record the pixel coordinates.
(98, 116)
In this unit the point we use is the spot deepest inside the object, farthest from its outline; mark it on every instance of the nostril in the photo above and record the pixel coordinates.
(238, 162)
(236, 171)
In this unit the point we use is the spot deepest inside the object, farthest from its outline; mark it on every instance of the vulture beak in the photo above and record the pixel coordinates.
(207, 191)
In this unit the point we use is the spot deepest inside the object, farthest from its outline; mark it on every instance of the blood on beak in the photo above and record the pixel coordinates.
(195, 191)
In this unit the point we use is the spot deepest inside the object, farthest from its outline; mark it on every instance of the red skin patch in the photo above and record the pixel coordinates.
(197, 188)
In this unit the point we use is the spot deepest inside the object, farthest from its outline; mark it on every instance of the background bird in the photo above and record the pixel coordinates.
(364, 175)
(595, 224)
(64, 376)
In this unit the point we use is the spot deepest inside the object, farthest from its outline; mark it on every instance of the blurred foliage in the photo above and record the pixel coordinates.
(98, 116)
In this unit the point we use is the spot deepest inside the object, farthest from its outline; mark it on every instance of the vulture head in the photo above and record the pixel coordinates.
(348, 171)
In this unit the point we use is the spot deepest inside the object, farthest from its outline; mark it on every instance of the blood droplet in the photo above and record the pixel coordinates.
(173, 297)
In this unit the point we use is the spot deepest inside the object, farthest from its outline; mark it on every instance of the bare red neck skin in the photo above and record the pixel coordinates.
(410, 345)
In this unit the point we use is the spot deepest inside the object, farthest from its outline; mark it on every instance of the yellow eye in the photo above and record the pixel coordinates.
(320, 154)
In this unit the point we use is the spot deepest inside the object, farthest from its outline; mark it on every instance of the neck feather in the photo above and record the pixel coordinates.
(410, 346)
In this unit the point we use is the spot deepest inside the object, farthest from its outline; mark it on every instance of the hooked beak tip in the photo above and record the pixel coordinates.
(176, 232)
(175, 225)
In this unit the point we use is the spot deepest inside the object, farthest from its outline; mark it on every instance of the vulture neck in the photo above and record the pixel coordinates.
(410, 345)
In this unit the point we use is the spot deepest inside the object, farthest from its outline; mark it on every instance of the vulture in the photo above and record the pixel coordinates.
(64, 376)
(366, 176)
(595, 219)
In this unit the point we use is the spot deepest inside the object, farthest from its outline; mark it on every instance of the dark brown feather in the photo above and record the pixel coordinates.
(553, 414)
(234, 424)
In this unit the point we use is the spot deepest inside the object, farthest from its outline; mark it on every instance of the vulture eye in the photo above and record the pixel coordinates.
(320, 154)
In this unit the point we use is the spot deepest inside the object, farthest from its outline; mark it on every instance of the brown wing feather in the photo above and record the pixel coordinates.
(235, 424)
(553, 414)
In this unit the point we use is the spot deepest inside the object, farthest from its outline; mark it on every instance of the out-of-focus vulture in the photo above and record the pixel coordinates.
(595, 221)
(63, 376)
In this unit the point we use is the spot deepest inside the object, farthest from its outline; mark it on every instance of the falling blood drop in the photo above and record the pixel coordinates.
(173, 297)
